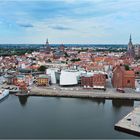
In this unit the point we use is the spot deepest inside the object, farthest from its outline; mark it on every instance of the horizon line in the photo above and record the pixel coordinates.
(63, 44)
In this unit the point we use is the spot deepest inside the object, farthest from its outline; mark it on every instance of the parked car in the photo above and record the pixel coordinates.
(120, 90)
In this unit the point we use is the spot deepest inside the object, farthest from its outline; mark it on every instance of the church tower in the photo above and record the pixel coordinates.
(130, 45)
(46, 48)
(130, 48)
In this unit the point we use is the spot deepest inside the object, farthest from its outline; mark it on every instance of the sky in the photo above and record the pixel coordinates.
(69, 21)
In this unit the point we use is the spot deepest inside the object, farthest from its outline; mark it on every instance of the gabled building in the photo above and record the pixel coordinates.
(123, 78)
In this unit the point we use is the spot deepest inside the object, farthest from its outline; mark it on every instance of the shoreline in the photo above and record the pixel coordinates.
(89, 94)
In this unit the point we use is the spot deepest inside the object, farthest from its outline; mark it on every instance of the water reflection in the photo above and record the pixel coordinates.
(86, 100)
(23, 100)
(84, 118)
(118, 103)
(99, 101)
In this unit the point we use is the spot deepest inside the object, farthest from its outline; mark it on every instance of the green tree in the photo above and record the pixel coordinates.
(79, 51)
(76, 59)
(127, 67)
(42, 68)
(66, 55)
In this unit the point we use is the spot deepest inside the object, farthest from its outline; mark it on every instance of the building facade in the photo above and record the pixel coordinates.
(42, 80)
(123, 78)
(137, 50)
(97, 80)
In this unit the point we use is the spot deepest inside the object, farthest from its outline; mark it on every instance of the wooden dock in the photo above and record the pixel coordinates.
(131, 123)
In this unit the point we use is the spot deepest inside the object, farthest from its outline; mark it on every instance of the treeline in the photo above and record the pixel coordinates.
(16, 51)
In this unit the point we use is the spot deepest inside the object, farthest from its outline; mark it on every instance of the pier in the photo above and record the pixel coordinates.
(131, 123)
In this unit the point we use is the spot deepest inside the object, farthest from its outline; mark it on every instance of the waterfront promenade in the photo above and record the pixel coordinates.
(82, 93)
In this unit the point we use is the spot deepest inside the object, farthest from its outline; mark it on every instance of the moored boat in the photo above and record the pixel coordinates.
(12, 89)
(3, 94)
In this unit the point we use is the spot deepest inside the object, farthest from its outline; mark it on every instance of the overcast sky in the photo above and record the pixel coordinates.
(69, 21)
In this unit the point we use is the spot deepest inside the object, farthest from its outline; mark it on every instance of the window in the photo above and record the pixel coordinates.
(128, 82)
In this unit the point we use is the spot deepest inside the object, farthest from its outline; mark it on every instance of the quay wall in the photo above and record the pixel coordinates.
(37, 91)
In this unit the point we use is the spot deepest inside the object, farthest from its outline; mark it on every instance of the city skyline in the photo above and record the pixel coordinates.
(69, 21)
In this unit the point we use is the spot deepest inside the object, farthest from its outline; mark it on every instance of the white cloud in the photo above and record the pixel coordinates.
(82, 21)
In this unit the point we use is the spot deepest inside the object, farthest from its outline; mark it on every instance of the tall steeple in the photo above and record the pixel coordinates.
(47, 42)
(130, 45)
(130, 48)
(130, 40)
(47, 46)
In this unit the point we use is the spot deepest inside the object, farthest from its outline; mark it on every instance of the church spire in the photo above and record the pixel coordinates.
(47, 47)
(47, 42)
(130, 49)
(130, 40)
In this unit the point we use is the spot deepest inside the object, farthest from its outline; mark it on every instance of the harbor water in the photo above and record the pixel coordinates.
(50, 117)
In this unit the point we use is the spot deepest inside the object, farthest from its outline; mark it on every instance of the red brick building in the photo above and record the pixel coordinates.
(97, 80)
(123, 78)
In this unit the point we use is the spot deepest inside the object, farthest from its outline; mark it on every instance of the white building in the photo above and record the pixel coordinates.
(51, 73)
(68, 77)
